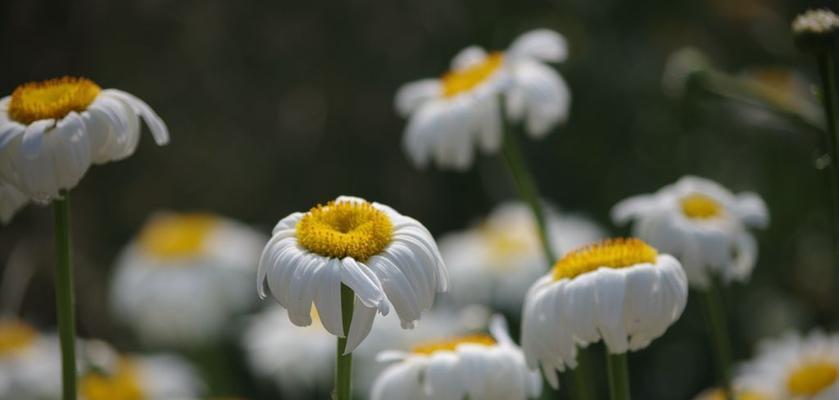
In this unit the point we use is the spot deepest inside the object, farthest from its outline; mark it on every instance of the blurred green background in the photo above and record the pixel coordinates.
(276, 106)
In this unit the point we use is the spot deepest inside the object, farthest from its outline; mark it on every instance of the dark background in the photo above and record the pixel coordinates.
(274, 106)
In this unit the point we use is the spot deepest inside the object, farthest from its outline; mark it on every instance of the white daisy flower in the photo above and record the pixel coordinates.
(184, 276)
(52, 131)
(301, 360)
(11, 200)
(496, 261)
(108, 375)
(701, 223)
(450, 115)
(794, 368)
(478, 367)
(29, 363)
(384, 257)
(619, 290)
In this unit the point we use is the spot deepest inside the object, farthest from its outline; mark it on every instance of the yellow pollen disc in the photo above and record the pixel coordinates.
(123, 384)
(811, 378)
(504, 244)
(177, 235)
(456, 82)
(15, 336)
(429, 348)
(345, 229)
(700, 206)
(611, 253)
(51, 99)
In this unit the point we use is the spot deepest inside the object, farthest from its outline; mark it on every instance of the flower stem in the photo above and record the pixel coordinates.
(525, 184)
(715, 320)
(618, 375)
(827, 71)
(64, 298)
(343, 367)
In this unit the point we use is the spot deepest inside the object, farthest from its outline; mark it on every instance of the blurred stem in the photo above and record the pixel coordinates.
(827, 71)
(582, 376)
(618, 375)
(343, 367)
(525, 184)
(716, 322)
(64, 298)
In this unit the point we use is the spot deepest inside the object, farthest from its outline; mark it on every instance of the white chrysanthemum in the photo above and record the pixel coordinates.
(108, 375)
(185, 275)
(619, 290)
(496, 261)
(11, 200)
(384, 257)
(52, 131)
(479, 367)
(29, 363)
(301, 360)
(794, 368)
(450, 115)
(701, 223)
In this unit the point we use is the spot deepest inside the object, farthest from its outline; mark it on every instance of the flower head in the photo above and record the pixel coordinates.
(384, 257)
(179, 282)
(794, 367)
(461, 109)
(619, 290)
(701, 223)
(816, 30)
(475, 366)
(52, 131)
(496, 261)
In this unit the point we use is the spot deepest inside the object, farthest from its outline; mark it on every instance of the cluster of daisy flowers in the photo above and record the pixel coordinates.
(357, 281)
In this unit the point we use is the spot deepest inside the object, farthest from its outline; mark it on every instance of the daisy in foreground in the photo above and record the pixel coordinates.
(794, 368)
(351, 259)
(477, 367)
(462, 109)
(51, 132)
(179, 282)
(498, 259)
(619, 290)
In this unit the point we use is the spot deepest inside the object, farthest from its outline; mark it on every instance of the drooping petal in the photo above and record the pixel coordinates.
(153, 121)
(413, 95)
(541, 44)
(362, 322)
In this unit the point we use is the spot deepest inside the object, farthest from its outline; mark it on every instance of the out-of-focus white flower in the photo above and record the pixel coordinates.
(181, 280)
(794, 368)
(701, 223)
(51, 132)
(108, 375)
(619, 290)
(719, 394)
(479, 367)
(496, 261)
(301, 360)
(11, 200)
(816, 22)
(383, 256)
(29, 363)
(679, 67)
(450, 115)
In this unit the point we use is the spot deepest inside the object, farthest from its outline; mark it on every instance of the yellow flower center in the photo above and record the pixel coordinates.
(456, 82)
(177, 236)
(811, 378)
(15, 336)
(718, 394)
(700, 206)
(345, 229)
(611, 253)
(504, 244)
(429, 348)
(51, 99)
(122, 384)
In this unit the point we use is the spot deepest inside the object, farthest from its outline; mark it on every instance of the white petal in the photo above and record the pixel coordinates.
(468, 57)
(412, 95)
(328, 299)
(441, 378)
(633, 207)
(542, 44)
(399, 381)
(752, 210)
(546, 96)
(366, 285)
(498, 329)
(33, 137)
(156, 125)
(9, 131)
(362, 322)
(611, 290)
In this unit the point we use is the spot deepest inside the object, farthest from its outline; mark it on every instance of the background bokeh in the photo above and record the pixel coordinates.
(274, 106)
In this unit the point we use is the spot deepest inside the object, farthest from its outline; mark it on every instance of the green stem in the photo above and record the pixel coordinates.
(618, 375)
(581, 376)
(827, 71)
(343, 367)
(64, 298)
(526, 185)
(716, 322)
